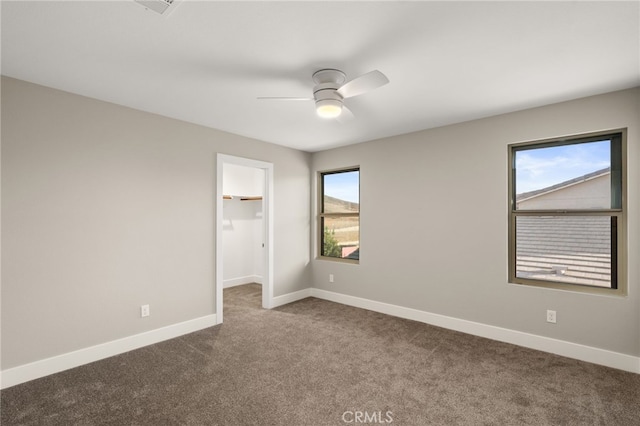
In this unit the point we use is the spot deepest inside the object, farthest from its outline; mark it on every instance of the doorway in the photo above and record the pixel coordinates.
(267, 219)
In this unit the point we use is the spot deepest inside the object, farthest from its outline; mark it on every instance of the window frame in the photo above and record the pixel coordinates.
(618, 238)
(322, 214)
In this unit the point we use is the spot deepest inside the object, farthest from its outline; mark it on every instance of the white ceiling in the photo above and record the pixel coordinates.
(206, 62)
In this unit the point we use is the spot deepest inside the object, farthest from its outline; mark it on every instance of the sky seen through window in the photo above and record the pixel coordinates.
(543, 167)
(344, 186)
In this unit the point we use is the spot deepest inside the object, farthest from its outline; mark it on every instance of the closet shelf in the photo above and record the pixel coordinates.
(242, 198)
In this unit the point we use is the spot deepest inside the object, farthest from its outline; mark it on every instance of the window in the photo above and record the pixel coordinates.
(566, 224)
(339, 215)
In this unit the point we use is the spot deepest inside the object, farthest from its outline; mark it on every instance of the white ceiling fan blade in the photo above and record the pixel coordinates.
(282, 98)
(364, 83)
(345, 116)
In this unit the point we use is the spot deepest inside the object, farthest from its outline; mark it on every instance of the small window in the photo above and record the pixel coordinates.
(339, 215)
(566, 222)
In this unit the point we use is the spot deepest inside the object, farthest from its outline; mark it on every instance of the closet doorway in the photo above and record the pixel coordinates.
(246, 186)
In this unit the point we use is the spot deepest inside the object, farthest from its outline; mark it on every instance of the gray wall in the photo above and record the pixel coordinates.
(434, 225)
(105, 208)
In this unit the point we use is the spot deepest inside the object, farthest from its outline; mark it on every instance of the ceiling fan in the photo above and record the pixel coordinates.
(331, 90)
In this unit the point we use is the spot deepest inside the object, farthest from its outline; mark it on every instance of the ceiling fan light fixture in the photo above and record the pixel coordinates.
(329, 108)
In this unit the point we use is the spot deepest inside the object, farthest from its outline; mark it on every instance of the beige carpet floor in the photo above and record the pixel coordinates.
(315, 362)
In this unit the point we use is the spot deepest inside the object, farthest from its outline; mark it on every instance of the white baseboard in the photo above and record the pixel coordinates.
(290, 297)
(232, 282)
(14, 376)
(24, 373)
(532, 341)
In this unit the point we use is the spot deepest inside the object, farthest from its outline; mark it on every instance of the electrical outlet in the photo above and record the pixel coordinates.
(330, 278)
(144, 311)
(551, 316)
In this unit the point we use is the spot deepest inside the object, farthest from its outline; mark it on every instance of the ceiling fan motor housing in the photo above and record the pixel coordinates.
(329, 75)
(325, 92)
